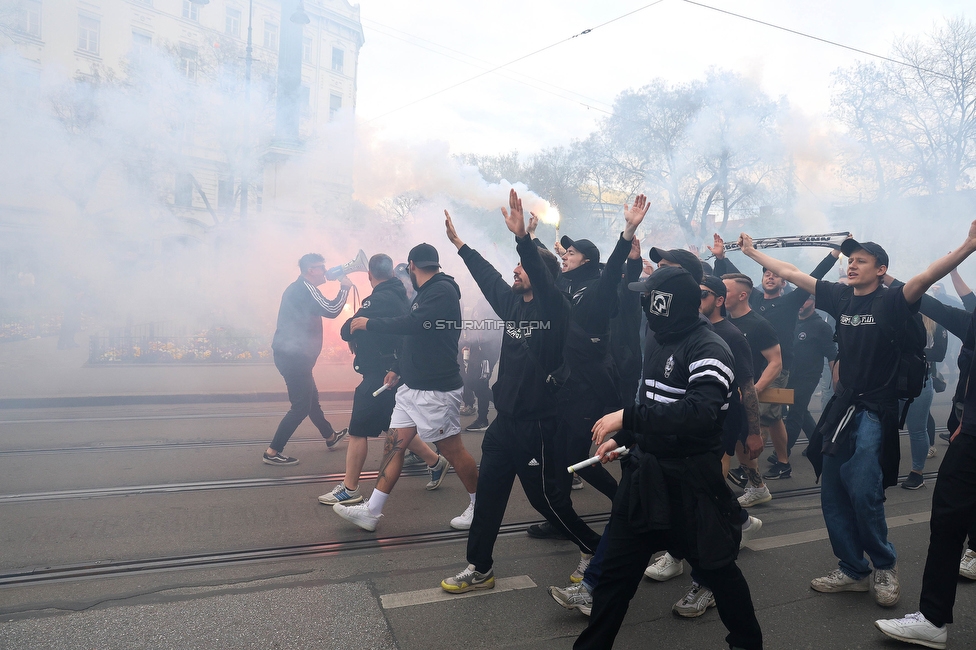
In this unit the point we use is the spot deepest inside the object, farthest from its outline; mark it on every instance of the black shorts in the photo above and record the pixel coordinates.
(371, 415)
(735, 427)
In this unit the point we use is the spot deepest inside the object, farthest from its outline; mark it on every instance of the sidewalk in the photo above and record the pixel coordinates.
(35, 374)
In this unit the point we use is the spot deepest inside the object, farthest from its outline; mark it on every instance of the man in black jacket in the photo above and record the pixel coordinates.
(522, 441)
(428, 404)
(813, 341)
(673, 495)
(296, 346)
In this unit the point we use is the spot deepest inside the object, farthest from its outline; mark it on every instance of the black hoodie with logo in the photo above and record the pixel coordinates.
(376, 353)
(430, 330)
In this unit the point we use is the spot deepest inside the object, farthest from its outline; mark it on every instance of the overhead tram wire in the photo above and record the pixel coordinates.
(816, 38)
(516, 60)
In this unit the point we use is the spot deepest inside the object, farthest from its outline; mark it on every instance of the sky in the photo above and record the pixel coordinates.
(415, 49)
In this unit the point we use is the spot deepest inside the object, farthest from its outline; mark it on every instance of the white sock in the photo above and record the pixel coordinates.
(472, 495)
(376, 501)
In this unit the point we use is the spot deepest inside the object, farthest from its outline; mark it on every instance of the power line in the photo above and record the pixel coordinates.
(516, 60)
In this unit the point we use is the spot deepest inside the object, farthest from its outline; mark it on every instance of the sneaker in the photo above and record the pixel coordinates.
(933, 452)
(336, 437)
(411, 459)
(545, 530)
(778, 471)
(967, 567)
(664, 568)
(695, 603)
(886, 589)
(754, 496)
(837, 581)
(753, 526)
(738, 476)
(947, 436)
(577, 482)
(358, 514)
(438, 472)
(468, 410)
(581, 567)
(576, 597)
(468, 580)
(477, 425)
(341, 494)
(772, 459)
(463, 520)
(279, 459)
(916, 629)
(914, 481)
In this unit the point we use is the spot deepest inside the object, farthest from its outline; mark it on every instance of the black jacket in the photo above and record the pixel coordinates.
(535, 332)
(625, 334)
(430, 330)
(299, 330)
(376, 353)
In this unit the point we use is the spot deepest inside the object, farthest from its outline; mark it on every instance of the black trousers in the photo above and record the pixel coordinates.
(304, 398)
(623, 567)
(526, 449)
(577, 417)
(799, 416)
(953, 514)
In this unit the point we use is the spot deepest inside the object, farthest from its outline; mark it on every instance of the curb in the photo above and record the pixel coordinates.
(140, 400)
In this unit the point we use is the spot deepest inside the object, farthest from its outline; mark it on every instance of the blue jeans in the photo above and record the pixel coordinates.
(852, 500)
(917, 422)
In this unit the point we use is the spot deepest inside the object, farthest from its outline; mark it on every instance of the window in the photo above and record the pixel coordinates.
(31, 20)
(191, 11)
(270, 35)
(183, 195)
(188, 62)
(335, 103)
(307, 49)
(337, 59)
(141, 45)
(232, 23)
(225, 194)
(88, 29)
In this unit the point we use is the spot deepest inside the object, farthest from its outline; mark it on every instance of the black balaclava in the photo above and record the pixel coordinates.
(672, 304)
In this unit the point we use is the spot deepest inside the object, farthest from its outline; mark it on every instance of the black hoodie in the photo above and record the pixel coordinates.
(431, 329)
(376, 353)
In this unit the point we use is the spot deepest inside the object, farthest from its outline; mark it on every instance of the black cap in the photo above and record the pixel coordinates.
(587, 248)
(686, 259)
(851, 245)
(424, 256)
(717, 286)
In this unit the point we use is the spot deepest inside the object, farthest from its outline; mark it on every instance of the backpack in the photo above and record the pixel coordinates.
(909, 339)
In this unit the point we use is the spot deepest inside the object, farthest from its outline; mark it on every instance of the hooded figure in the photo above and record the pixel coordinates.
(671, 300)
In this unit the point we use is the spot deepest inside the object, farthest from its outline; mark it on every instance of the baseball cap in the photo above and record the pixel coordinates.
(851, 245)
(716, 286)
(424, 256)
(584, 246)
(686, 259)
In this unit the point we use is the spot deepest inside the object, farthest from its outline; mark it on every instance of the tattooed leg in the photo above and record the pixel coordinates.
(392, 463)
(755, 478)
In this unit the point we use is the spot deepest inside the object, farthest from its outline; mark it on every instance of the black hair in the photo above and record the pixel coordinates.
(555, 268)
(309, 260)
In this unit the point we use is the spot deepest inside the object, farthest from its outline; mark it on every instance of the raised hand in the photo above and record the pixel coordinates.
(635, 251)
(745, 242)
(634, 215)
(533, 224)
(718, 247)
(451, 232)
(971, 237)
(514, 217)
(558, 247)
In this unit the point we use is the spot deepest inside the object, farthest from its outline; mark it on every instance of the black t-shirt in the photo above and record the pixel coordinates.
(782, 313)
(867, 361)
(760, 335)
(813, 341)
(740, 351)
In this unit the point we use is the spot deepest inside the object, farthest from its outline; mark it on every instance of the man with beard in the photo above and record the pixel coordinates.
(428, 403)
(522, 441)
(296, 345)
(673, 495)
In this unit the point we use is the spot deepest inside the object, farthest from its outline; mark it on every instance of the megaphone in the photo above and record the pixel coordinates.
(357, 264)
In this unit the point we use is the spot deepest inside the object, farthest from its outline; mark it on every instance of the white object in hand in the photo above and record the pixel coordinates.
(593, 461)
(380, 390)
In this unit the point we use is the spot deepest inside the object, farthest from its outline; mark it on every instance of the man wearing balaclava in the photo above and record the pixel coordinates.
(672, 493)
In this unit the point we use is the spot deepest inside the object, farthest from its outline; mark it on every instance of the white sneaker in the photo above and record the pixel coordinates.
(753, 496)
(837, 581)
(584, 563)
(916, 629)
(695, 603)
(358, 514)
(463, 520)
(933, 452)
(664, 568)
(753, 526)
(967, 567)
(886, 588)
(341, 494)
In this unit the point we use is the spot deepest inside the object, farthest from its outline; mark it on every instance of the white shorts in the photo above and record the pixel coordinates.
(435, 413)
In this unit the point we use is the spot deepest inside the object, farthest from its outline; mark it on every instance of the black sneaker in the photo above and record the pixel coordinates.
(946, 436)
(279, 459)
(477, 425)
(545, 530)
(738, 476)
(779, 470)
(772, 459)
(914, 481)
(336, 437)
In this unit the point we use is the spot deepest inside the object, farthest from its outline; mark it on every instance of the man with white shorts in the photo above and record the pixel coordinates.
(428, 403)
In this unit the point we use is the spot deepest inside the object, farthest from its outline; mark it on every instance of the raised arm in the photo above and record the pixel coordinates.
(783, 269)
(938, 269)
(497, 292)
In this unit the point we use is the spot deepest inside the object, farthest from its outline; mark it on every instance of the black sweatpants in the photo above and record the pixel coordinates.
(577, 417)
(953, 514)
(799, 415)
(628, 554)
(304, 397)
(527, 449)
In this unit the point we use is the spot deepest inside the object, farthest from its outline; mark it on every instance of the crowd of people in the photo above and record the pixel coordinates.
(675, 372)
